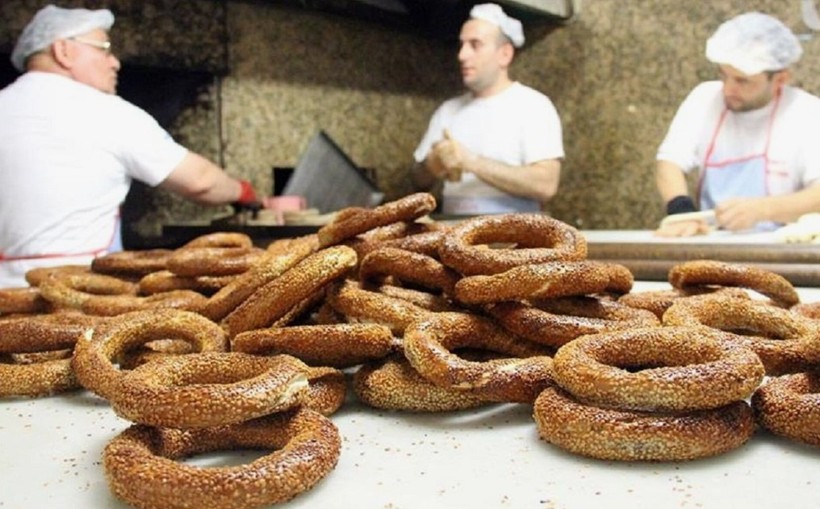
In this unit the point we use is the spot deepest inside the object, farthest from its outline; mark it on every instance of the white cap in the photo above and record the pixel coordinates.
(52, 23)
(753, 43)
(510, 27)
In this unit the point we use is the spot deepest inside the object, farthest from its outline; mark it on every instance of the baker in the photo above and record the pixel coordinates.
(497, 147)
(752, 136)
(71, 148)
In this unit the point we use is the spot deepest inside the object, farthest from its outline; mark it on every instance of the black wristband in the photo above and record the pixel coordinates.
(679, 205)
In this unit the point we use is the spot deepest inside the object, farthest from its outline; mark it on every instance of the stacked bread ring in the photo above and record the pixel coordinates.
(653, 394)
(424, 318)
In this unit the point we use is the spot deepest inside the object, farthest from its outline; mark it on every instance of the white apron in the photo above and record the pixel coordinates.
(739, 177)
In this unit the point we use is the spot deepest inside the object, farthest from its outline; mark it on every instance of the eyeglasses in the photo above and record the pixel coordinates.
(103, 45)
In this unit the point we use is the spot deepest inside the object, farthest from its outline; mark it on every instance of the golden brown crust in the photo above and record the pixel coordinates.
(221, 239)
(269, 267)
(407, 267)
(558, 321)
(711, 272)
(275, 299)
(658, 301)
(785, 342)
(134, 263)
(166, 281)
(22, 300)
(354, 221)
(624, 435)
(360, 305)
(42, 333)
(393, 384)
(36, 379)
(96, 351)
(213, 261)
(535, 238)
(658, 369)
(429, 343)
(113, 305)
(206, 389)
(542, 281)
(337, 345)
(789, 406)
(142, 469)
(73, 291)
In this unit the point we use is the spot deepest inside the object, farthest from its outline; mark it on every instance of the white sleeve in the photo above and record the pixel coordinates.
(542, 137)
(680, 144)
(146, 149)
(435, 132)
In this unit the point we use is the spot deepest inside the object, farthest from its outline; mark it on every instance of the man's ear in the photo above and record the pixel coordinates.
(506, 51)
(781, 78)
(61, 52)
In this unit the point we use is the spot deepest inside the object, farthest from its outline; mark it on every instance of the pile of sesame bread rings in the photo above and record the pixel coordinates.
(220, 345)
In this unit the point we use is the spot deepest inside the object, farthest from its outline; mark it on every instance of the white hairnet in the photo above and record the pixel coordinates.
(510, 27)
(52, 23)
(753, 43)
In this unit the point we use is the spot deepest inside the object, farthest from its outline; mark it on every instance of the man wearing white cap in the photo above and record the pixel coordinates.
(751, 135)
(498, 147)
(71, 147)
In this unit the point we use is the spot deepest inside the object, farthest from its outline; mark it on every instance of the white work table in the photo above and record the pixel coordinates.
(486, 458)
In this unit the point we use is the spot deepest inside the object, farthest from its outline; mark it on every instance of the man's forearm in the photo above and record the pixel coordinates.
(538, 181)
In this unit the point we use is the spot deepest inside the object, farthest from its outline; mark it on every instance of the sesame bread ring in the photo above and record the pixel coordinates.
(113, 305)
(555, 322)
(807, 309)
(658, 301)
(37, 275)
(665, 369)
(785, 341)
(624, 435)
(429, 343)
(393, 384)
(337, 345)
(213, 261)
(413, 269)
(43, 333)
(419, 237)
(359, 305)
(96, 350)
(789, 406)
(134, 263)
(22, 300)
(269, 267)
(543, 281)
(221, 239)
(206, 389)
(275, 299)
(354, 221)
(428, 301)
(73, 291)
(166, 281)
(142, 469)
(710, 272)
(534, 239)
(34, 379)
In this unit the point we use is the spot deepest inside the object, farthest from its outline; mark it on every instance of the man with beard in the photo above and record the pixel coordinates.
(497, 147)
(752, 137)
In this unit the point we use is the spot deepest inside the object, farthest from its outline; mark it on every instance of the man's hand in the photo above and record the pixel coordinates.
(740, 213)
(683, 229)
(450, 158)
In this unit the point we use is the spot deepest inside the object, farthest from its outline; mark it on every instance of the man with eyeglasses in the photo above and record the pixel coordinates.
(751, 135)
(70, 148)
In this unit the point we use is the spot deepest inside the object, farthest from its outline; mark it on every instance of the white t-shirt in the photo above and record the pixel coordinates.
(67, 157)
(518, 126)
(794, 148)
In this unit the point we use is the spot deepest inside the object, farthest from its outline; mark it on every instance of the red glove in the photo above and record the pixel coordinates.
(247, 196)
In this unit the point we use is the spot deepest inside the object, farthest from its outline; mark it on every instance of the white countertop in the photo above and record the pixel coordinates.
(487, 458)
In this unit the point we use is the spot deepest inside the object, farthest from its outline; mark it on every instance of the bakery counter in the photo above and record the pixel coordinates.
(650, 257)
(485, 458)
